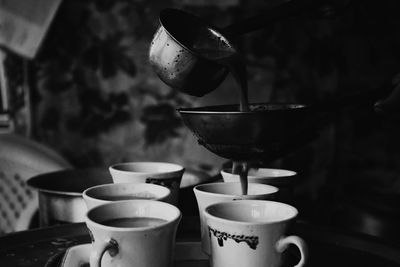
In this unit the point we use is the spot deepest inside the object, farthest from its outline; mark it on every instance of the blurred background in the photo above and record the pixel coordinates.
(90, 94)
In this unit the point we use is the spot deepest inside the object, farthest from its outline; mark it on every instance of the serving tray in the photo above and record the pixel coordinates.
(327, 247)
(187, 254)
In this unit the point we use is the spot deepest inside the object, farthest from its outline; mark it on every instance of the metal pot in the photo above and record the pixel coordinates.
(177, 49)
(60, 194)
(176, 62)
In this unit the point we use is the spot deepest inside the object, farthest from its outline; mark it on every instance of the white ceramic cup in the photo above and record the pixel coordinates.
(251, 233)
(283, 179)
(210, 193)
(106, 193)
(161, 173)
(143, 244)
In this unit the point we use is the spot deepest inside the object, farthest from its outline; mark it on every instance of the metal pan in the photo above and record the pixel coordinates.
(60, 193)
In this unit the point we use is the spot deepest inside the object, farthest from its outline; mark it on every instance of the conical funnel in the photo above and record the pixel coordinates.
(262, 133)
(268, 130)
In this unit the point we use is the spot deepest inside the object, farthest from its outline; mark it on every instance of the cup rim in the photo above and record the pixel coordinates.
(118, 167)
(289, 173)
(198, 188)
(86, 194)
(250, 202)
(140, 202)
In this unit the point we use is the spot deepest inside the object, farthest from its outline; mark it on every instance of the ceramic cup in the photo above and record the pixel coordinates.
(283, 179)
(160, 173)
(251, 233)
(133, 233)
(210, 193)
(106, 193)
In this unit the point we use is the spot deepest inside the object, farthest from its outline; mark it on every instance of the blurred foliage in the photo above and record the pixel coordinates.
(75, 57)
(74, 80)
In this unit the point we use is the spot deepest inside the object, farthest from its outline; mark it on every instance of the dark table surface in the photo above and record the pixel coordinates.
(326, 246)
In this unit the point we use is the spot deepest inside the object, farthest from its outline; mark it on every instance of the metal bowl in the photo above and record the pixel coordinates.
(264, 132)
(60, 193)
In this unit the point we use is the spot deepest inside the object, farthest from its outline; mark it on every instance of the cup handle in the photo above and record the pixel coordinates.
(97, 253)
(284, 242)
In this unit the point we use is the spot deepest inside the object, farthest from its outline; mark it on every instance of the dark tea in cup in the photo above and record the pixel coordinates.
(133, 233)
(132, 222)
(106, 193)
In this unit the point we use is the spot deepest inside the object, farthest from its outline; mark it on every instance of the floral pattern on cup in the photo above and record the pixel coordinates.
(251, 241)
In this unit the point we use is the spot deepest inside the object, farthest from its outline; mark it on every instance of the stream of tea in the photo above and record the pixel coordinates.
(237, 67)
(227, 56)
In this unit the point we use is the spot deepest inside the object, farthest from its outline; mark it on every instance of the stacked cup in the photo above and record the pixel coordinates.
(248, 230)
(161, 173)
(283, 179)
(211, 193)
(133, 232)
(135, 219)
(251, 233)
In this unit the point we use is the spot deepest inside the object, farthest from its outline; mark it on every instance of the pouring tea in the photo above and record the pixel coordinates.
(186, 51)
(190, 55)
(175, 51)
